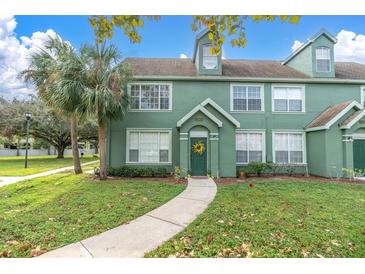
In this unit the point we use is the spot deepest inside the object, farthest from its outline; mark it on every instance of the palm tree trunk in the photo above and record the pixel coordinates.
(75, 149)
(102, 149)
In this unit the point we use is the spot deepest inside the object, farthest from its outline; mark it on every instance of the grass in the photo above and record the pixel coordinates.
(49, 212)
(286, 218)
(14, 165)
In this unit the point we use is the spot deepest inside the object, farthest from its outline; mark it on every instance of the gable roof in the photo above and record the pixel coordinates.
(352, 119)
(235, 68)
(221, 111)
(197, 38)
(331, 115)
(195, 110)
(201, 107)
(310, 41)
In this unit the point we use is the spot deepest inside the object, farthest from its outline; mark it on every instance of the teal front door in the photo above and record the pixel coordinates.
(198, 156)
(359, 154)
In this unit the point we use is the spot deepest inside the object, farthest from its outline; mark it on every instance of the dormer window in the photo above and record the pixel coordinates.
(210, 61)
(323, 59)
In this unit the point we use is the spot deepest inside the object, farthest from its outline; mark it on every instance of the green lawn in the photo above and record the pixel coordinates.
(14, 166)
(53, 211)
(278, 218)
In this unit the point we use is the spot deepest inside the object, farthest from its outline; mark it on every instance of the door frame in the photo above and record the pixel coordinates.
(199, 134)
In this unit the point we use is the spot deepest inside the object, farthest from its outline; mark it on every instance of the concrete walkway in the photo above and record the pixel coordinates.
(10, 180)
(148, 231)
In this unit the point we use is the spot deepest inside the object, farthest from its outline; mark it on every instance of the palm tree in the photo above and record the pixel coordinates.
(57, 73)
(105, 98)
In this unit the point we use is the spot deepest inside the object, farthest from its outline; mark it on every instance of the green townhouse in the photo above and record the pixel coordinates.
(209, 115)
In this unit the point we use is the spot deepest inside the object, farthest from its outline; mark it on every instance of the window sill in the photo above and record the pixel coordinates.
(248, 111)
(288, 112)
(150, 110)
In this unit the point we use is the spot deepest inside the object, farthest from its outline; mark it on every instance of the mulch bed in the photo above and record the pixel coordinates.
(227, 181)
(169, 179)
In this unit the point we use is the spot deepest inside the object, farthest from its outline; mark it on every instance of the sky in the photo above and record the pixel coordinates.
(171, 36)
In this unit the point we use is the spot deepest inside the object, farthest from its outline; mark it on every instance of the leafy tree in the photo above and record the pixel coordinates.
(46, 124)
(106, 83)
(220, 26)
(56, 71)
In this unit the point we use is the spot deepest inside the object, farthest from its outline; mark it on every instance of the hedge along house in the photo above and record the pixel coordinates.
(211, 115)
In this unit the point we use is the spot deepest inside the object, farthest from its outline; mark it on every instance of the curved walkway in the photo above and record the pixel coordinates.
(6, 180)
(148, 231)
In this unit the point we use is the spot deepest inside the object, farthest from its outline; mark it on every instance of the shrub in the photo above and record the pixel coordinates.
(128, 171)
(259, 168)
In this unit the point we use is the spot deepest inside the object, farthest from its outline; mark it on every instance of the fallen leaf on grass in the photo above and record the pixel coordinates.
(5, 254)
(319, 255)
(37, 252)
(25, 246)
(334, 242)
(209, 239)
(12, 242)
(221, 221)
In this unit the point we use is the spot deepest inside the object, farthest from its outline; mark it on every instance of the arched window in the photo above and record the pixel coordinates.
(323, 57)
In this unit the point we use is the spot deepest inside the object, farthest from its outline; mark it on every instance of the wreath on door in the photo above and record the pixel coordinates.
(198, 148)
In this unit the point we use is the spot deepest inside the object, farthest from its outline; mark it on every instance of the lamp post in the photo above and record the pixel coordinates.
(28, 115)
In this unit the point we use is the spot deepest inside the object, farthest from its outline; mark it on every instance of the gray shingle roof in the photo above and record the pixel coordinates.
(235, 68)
(327, 115)
(352, 117)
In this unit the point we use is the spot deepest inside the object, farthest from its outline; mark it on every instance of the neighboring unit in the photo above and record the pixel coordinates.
(212, 115)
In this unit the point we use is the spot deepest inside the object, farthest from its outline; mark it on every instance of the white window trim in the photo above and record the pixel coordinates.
(262, 95)
(210, 46)
(304, 146)
(151, 83)
(302, 87)
(329, 67)
(362, 95)
(263, 132)
(158, 130)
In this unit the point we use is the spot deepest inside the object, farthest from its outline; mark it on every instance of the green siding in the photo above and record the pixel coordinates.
(303, 61)
(187, 94)
(316, 153)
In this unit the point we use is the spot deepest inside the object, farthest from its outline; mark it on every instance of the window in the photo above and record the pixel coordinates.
(250, 147)
(247, 98)
(148, 146)
(150, 97)
(323, 57)
(363, 96)
(288, 99)
(210, 61)
(288, 148)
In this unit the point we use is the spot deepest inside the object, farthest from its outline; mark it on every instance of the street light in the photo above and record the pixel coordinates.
(28, 116)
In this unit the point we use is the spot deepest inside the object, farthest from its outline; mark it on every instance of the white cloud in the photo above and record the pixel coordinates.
(183, 56)
(14, 57)
(296, 45)
(350, 46)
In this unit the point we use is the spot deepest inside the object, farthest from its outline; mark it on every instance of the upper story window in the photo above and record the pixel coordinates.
(323, 58)
(288, 99)
(150, 97)
(210, 61)
(247, 98)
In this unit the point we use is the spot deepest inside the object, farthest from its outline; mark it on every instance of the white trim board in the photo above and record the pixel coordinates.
(195, 110)
(221, 110)
(354, 120)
